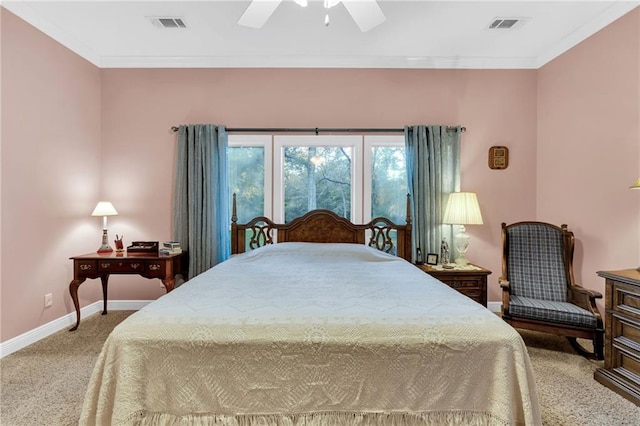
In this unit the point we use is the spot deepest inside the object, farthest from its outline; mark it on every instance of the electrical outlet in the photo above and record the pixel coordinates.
(48, 300)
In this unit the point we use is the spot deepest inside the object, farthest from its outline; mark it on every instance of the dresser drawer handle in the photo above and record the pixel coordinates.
(105, 265)
(154, 267)
(135, 265)
(85, 267)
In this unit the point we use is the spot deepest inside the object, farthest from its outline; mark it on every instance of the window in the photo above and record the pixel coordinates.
(283, 177)
(250, 175)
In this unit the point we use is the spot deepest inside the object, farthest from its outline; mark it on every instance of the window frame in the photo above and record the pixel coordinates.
(361, 183)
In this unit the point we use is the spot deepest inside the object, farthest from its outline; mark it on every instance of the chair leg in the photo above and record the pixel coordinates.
(597, 353)
(598, 344)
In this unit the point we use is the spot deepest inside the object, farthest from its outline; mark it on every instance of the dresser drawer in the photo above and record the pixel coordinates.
(475, 294)
(462, 285)
(121, 266)
(625, 299)
(626, 348)
(470, 282)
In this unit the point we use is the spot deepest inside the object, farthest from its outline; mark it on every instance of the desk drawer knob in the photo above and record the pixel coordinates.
(154, 267)
(135, 265)
(85, 267)
(105, 265)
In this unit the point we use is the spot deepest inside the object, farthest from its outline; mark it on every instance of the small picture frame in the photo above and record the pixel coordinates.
(498, 157)
(432, 259)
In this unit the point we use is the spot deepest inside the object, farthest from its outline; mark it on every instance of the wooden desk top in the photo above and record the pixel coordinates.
(125, 255)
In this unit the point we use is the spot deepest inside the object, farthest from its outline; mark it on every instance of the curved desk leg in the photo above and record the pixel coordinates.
(73, 290)
(169, 283)
(105, 281)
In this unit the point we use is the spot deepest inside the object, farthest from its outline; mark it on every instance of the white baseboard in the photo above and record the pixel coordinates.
(67, 321)
(494, 306)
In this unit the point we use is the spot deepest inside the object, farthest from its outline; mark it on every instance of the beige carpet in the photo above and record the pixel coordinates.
(44, 384)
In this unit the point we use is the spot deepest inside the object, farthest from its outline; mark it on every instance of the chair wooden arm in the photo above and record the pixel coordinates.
(585, 298)
(505, 285)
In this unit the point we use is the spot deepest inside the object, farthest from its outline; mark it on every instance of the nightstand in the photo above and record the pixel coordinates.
(470, 282)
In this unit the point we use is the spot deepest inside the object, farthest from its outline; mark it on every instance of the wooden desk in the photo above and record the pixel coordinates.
(621, 372)
(471, 283)
(101, 265)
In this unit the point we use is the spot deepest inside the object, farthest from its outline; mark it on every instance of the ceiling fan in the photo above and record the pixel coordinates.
(366, 13)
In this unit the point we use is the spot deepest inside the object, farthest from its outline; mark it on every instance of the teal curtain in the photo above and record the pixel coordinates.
(433, 171)
(201, 196)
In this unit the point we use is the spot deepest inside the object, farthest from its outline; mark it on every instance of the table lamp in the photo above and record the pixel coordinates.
(462, 209)
(104, 209)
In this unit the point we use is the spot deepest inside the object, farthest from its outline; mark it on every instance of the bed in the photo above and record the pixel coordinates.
(304, 330)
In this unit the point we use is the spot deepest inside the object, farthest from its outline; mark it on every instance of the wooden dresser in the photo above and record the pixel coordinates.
(471, 283)
(621, 372)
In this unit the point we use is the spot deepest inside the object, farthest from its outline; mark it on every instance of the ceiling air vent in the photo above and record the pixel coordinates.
(167, 22)
(506, 23)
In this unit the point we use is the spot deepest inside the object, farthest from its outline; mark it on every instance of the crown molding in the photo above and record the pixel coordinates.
(318, 62)
(613, 12)
(31, 15)
(27, 13)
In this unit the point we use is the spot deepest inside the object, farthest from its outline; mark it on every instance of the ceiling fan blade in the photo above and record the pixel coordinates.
(366, 13)
(258, 12)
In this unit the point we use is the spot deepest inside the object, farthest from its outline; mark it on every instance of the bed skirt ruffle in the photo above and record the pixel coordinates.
(468, 418)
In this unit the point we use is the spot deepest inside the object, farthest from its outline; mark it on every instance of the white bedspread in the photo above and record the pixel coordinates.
(313, 334)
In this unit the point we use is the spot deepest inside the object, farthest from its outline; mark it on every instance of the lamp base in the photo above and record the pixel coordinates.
(461, 241)
(105, 248)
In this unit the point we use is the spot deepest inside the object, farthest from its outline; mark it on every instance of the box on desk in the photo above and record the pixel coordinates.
(143, 247)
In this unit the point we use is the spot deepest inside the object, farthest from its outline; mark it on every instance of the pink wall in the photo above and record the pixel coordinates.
(73, 134)
(140, 106)
(589, 148)
(50, 173)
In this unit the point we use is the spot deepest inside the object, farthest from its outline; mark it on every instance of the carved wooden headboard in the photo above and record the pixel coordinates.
(322, 226)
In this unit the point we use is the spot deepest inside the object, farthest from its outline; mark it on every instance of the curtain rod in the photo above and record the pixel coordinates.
(315, 130)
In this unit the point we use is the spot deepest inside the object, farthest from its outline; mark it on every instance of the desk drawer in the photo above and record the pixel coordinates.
(86, 268)
(155, 268)
(121, 266)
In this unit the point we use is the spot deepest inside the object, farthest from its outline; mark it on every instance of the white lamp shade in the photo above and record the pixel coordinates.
(462, 209)
(104, 208)
(636, 184)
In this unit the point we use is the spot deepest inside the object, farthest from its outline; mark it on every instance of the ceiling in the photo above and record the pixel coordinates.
(415, 34)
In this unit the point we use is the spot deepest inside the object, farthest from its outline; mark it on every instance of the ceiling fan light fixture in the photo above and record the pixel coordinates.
(328, 4)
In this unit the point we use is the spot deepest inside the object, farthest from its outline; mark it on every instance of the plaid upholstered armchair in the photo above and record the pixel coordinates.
(538, 288)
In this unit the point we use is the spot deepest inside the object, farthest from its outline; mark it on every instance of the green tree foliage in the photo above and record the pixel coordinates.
(317, 177)
(388, 183)
(246, 180)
